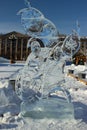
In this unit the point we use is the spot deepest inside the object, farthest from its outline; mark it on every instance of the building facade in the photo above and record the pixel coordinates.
(13, 45)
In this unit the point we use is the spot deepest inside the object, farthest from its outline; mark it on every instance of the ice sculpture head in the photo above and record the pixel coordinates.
(36, 25)
(31, 19)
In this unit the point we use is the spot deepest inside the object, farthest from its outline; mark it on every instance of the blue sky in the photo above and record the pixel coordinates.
(63, 13)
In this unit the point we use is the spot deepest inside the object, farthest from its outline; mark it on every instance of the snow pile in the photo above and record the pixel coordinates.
(77, 69)
(7, 69)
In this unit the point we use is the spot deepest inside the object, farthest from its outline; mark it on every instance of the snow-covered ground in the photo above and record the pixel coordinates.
(10, 120)
(7, 69)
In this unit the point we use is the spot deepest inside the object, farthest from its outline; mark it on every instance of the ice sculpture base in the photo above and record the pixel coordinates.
(48, 108)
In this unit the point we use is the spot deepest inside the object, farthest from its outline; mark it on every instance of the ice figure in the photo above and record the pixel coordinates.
(40, 85)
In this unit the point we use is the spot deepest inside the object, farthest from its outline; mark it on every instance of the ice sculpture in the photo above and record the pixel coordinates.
(40, 85)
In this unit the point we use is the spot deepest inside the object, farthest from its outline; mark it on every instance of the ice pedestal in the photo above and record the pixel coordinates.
(50, 107)
(57, 104)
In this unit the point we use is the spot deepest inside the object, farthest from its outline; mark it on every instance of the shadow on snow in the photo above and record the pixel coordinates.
(80, 111)
(8, 126)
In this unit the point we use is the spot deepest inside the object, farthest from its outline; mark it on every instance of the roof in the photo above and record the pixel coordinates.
(17, 34)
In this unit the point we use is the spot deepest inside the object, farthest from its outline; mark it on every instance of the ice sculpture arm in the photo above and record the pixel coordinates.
(71, 44)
